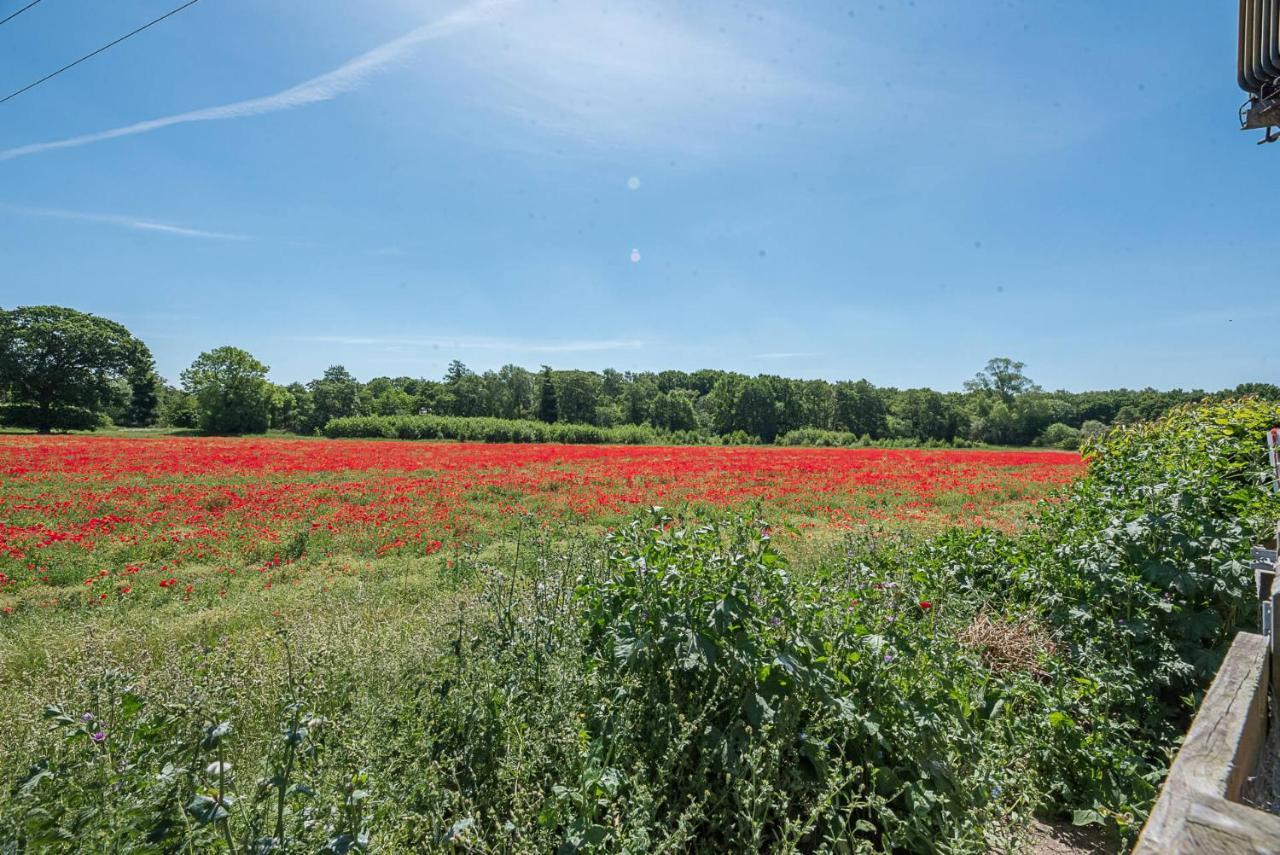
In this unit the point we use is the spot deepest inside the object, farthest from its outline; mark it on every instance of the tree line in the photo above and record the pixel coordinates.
(63, 369)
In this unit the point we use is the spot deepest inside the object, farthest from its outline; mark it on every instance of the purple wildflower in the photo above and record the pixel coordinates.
(99, 736)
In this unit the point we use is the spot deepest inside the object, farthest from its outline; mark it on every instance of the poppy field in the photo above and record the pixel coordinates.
(342, 646)
(91, 519)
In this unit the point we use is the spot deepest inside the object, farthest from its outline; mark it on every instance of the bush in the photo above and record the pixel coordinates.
(820, 438)
(1059, 435)
(1143, 573)
(59, 418)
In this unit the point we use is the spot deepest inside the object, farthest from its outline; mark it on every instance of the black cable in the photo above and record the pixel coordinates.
(19, 12)
(98, 51)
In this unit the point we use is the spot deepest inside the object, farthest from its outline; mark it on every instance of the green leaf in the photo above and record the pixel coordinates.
(130, 704)
(1087, 817)
(206, 809)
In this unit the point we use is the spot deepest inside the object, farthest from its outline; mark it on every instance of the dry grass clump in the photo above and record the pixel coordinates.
(1008, 645)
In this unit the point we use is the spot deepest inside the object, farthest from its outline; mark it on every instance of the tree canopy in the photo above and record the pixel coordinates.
(63, 369)
(231, 391)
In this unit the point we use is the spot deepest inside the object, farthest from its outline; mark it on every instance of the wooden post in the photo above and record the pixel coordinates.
(1198, 809)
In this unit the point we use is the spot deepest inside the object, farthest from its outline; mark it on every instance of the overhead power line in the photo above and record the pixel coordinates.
(72, 65)
(4, 21)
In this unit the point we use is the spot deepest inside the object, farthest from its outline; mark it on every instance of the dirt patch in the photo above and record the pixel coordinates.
(1050, 837)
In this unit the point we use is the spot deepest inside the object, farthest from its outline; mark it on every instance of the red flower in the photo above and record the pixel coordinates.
(926, 605)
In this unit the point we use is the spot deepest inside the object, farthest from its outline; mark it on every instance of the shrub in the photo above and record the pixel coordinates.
(819, 438)
(55, 418)
(1059, 435)
(1143, 575)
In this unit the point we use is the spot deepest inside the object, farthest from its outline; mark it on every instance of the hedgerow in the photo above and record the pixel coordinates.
(483, 429)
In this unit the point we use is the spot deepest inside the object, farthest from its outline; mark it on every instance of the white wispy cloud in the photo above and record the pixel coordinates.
(796, 354)
(345, 78)
(479, 343)
(637, 74)
(122, 221)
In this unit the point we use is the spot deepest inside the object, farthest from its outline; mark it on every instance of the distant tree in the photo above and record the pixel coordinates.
(515, 392)
(1033, 412)
(280, 412)
(548, 410)
(674, 410)
(60, 368)
(638, 398)
(466, 396)
(455, 372)
(929, 414)
(860, 409)
(994, 424)
(577, 396)
(393, 402)
(231, 391)
(334, 395)
(1268, 391)
(669, 381)
(757, 410)
(177, 409)
(144, 397)
(613, 383)
(721, 403)
(300, 418)
(1002, 377)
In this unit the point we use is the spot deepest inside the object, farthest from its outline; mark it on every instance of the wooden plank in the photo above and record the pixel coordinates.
(1220, 751)
(1274, 646)
(1221, 827)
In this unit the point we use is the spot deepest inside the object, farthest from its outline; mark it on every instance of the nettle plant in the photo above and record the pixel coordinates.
(137, 775)
(783, 714)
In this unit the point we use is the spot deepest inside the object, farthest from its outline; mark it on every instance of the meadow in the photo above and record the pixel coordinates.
(104, 518)
(280, 645)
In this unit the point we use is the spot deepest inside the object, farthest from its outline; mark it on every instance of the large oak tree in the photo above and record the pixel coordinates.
(62, 368)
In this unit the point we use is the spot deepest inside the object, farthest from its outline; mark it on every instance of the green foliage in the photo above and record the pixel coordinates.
(1058, 435)
(177, 409)
(577, 394)
(822, 438)
(57, 418)
(548, 408)
(860, 408)
(335, 395)
(1003, 378)
(231, 391)
(926, 414)
(60, 368)
(480, 429)
(1143, 572)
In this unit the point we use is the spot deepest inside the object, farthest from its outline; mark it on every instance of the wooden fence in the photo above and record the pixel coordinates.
(1199, 809)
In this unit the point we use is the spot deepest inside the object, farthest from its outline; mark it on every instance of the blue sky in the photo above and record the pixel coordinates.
(895, 190)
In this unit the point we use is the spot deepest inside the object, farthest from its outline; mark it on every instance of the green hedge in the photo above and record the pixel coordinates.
(484, 429)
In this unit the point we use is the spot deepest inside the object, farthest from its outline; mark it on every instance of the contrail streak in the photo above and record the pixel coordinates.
(345, 78)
